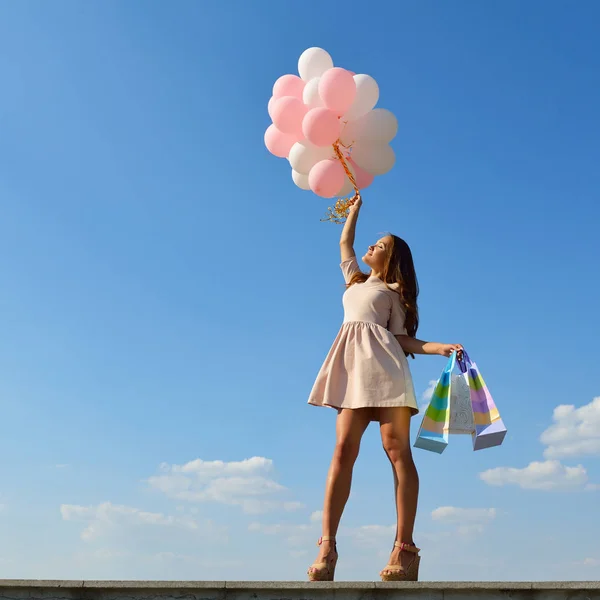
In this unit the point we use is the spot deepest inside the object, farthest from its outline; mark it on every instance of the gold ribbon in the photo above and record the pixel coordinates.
(339, 212)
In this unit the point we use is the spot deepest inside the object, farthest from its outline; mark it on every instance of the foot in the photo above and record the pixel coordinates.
(402, 564)
(324, 566)
(400, 559)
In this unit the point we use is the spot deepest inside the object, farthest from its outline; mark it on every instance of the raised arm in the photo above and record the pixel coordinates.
(349, 230)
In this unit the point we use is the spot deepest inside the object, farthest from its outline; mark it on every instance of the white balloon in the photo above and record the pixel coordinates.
(310, 95)
(304, 156)
(378, 125)
(350, 132)
(301, 180)
(314, 62)
(375, 158)
(367, 95)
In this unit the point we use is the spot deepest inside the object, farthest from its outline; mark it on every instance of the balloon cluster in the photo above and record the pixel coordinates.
(326, 124)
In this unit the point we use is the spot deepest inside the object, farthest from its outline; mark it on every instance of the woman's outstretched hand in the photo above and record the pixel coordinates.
(448, 349)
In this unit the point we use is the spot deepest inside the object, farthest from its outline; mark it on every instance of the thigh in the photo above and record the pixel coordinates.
(394, 425)
(351, 424)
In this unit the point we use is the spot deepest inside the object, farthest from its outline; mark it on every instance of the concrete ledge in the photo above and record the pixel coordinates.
(18, 589)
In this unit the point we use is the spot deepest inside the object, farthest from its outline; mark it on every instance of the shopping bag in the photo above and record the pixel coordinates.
(433, 433)
(461, 412)
(489, 430)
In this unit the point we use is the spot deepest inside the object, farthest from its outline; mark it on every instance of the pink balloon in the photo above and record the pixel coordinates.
(337, 89)
(363, 178)
(287, 114)
(326, 178)
(279, 143)
(321, 126)
(289, 85)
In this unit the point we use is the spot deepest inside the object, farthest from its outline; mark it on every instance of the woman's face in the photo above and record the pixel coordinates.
(377, 253)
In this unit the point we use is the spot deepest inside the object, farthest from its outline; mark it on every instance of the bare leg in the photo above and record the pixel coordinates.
(395, 435)
(350, 426)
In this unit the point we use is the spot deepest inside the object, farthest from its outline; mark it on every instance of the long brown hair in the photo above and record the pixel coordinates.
(399, 268)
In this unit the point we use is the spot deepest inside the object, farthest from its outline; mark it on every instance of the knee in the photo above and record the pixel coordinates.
(398, 451)
(346, 452)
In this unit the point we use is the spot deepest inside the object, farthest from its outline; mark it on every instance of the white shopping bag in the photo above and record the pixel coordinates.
(461, 411)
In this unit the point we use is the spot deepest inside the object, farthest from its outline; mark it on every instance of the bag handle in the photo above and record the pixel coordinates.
(463, 360)
(451, 363)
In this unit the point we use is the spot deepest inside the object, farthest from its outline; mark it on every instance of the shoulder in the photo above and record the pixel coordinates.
(350, 261)
(350, 268)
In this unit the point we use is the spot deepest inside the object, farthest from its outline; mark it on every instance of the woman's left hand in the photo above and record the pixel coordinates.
(448, 349)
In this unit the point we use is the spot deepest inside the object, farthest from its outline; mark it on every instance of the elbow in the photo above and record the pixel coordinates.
(402, 340)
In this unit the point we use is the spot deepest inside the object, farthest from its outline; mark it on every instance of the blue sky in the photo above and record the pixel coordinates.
(168, 294)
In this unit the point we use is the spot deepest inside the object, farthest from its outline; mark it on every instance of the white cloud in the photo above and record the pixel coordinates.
(427, 394)
(575, 431)
(295, 535)
(278, 528)
(372, 535)
(468, 520)
(107, 518)
(110, 554)
(547, 475)
(176, 559)
(292, 506)
(317, 516)
(592, 562)
(209, 469)
(247, 483)
(453, 514)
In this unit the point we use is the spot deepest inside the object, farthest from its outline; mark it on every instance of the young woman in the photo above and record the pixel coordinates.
(366, 377)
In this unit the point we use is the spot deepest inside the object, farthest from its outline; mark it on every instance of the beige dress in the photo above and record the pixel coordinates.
(366, 366)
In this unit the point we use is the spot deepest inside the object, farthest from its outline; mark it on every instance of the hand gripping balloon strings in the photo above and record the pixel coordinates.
(339, 213)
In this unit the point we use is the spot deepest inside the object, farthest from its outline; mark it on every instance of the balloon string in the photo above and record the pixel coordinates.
(340, 155)
(340, 210)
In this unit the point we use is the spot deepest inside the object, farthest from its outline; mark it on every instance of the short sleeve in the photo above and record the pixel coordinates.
(349, 268)
(397, 316)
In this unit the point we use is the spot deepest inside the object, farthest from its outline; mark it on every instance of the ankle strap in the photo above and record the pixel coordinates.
(404, 547)
(326, 538)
